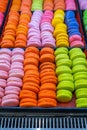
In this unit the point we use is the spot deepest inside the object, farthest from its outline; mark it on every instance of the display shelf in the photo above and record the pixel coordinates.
(40, 118)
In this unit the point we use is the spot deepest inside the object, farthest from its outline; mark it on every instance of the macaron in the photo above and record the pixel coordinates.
(63, 69)
(81, 103)
(65, 77)
(61, 50)
(64, 96)
(79, 68)
(79, 61)
(66, 62)
(81, 83)
(81, 93)
(67, 85)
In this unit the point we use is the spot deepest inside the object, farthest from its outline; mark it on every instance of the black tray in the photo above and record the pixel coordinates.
(44, 119)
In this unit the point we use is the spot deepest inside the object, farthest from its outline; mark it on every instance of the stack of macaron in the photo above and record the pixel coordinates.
(9, 34)
(1, 18)
(47, 30)
(59, 4)
(70, 4)
(5, 57)
(60, 29)
(83, 4)
(14, 81)
(65, 85)
(85, 20)
(47, 93)
(34, 29)
(22, 29)
(26, 6)
(3, 5)
(16, 4)
(48, 5)
(37, 5)
(75, 38)
(31, 82)
(79, 70)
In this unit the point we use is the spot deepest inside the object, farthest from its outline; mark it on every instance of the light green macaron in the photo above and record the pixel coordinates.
(61, 50)
(61, 56)
(67, 85)
(81, 83)
(79, 68)
(81, 103)
(65, 77)
(80, 75)
(66, 62)
(77, 55)
(74, 50)
(63, 69)
(79, 61)
(64, 96)
(81, 93)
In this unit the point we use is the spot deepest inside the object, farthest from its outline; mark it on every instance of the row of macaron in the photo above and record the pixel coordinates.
(31, 76)
(43, 29)
(3, 5)
(53, 5)
(83, 4)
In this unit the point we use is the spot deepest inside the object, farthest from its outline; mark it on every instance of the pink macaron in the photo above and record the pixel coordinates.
(4, 67)
(1, 94)
(77, 44)
(3, 74)
(10, 96)
(16, 73)
(17, 51)
(75, 38)
(5, 57)
(5, 51)
(10, 102)
(7, 92)
(8, 88)
(2, 83)
(15, 83)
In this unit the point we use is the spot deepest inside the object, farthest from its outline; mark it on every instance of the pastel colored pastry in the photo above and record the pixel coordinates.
(81, 93)
(65, 77)
(61, 56)
(64, 95)
(79, 68)
(10, 102)
(61, 50)
(67, 85)
(81, 103)
(81, 83)
(18, 51)
(63, 69)
(65, 62)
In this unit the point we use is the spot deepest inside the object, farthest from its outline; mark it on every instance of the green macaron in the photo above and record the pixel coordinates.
(79, 68)
(64, 96)
(61, 50)
(79, 61)
(80, 75)
(74, 50)
(81, 103)
(66, 77)
(66, 62)
(63, 69)
(81, 83)
(67, 85)
(81, 93)
(61, 56)
(77, 55)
